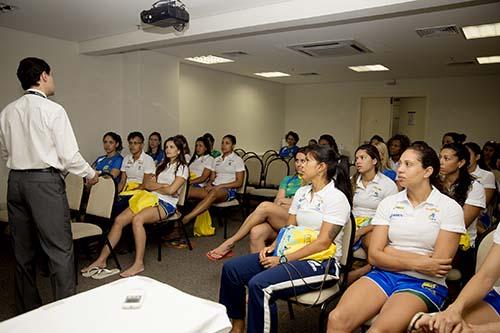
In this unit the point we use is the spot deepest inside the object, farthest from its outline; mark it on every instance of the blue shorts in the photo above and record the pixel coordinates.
(431, 293)
(493, 299)
(168, 208)
(196, 185)
(231, 194)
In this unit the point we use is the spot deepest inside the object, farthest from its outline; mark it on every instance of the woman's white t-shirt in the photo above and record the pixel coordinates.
(201, 163)
(475, 197)
(486, 178)
(366, 199)
(496, 240)
(329, 205)
(167, 176)
(226, 168)
(135, 169)
(415, 229)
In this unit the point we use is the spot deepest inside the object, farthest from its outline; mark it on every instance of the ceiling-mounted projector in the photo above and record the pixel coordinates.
(166, 14)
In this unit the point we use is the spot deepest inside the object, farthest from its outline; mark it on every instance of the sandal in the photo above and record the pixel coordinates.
(91, 271)
(213, 256)
(179, 244)
(104, 273)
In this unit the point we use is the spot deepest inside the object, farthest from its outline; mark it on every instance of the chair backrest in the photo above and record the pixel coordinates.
(268, 154)
(276, 170)
(240, 152)
(248, 154)
(183, 193)
(102, 196)
(242, 188)
(74, 191)
(254, 168)
(485, 245)
(268, 158)
(348, 240)
(291, 166)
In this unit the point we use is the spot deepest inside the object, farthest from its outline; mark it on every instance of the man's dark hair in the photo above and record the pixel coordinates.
(133, 135)
(29, 71)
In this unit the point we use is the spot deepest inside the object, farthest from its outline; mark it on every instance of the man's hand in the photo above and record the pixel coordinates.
(94, 180)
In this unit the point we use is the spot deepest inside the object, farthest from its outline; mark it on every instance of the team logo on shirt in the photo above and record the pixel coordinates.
(399, 207)
(433, 213)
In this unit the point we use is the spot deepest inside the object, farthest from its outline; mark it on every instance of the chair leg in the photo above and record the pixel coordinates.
(76, 253)
(224, 218)
(183, 227)
(112, 252)
(158, 241)
(290, 310)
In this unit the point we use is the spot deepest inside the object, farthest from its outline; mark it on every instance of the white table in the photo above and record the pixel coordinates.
(165, 309)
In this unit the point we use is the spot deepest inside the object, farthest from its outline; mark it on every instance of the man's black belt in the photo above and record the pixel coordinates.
(51, 170)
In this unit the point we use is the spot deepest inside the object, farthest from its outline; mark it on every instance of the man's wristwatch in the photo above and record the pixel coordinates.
(283, 259)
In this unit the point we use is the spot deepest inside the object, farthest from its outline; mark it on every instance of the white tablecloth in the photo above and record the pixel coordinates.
(165, 309)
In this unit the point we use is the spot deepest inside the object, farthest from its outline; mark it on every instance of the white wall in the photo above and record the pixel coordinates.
(469, 105)
(121, 93)
(222, 103)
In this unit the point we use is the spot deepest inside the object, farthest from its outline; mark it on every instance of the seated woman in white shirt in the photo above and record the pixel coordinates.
(264, 223)
(187, 151)
(485, 177)
(137, 164)
(477, 307)
(468, 193)
(224, 181)
(385, 165)
(202, 164)
(414, 239)
(166, 184)
(370, 187)
(135, 167)
(323, 206)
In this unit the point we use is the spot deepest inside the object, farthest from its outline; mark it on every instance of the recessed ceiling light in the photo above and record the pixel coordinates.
(209, 60)
(369, 68)
(272, 74)
(482, 31)
(488, 60)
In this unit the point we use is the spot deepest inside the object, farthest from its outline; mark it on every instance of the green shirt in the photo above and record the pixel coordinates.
(215, 153)
(291, 184)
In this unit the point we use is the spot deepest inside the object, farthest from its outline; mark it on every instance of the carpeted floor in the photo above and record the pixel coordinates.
(189, 271)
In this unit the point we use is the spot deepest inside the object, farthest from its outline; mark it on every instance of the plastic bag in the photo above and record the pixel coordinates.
(203, 225)
(142, 199)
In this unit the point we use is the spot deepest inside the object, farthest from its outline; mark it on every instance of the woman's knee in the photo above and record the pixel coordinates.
(264, 207)
(259, 232)
(340, 319)
(137, 221)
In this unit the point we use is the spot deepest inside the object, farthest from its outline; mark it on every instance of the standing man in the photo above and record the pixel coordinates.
(37, 141)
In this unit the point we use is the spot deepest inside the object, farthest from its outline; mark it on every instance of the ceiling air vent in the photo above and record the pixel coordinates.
(445, 30)
(234, 54)
(5, 8)
(309, 74)
(340, 48)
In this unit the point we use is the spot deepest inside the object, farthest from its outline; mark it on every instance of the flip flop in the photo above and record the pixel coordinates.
(226, 255)
(104, 273)
(91, 271)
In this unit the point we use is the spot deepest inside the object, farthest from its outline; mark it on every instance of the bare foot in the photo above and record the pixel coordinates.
(98, 263)
(132, 270)
(220, 251)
